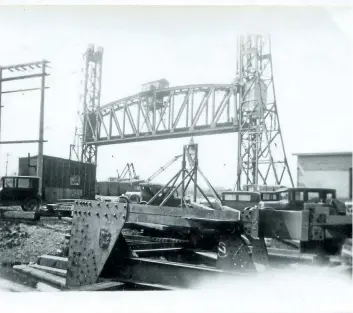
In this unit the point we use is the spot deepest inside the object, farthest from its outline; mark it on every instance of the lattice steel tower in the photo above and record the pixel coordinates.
(261, 153)
(91, 102)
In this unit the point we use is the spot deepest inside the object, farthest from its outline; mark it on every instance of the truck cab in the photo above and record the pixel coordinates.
(240, 200)
(293, 199)
(20, 191)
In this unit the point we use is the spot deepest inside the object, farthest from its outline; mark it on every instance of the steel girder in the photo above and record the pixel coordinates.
(166, 113)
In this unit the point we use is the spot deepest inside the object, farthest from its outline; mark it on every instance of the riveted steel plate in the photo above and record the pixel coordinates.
(96, 227)
(259, 254)
(234, 254)
(280, 224)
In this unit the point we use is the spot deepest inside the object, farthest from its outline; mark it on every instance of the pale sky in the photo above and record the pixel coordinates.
(312, 61)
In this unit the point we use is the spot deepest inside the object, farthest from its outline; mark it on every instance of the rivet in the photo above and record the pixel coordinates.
(107, 205)
(76, 202)
(116, 205)
(114, 215)
(125, 206)
(89, 213)
(97, 214)
(124, 216)
(75, 212)
(84, 212)
(98, 204)
(106, 215)
(89, 203)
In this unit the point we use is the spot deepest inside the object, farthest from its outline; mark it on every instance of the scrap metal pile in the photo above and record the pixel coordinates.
(182, 242)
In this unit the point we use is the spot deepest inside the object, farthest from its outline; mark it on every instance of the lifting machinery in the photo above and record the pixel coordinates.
(191, 241)
(129, 170)
(196, 242)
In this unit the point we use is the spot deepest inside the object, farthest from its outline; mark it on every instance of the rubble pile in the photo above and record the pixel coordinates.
(12, 236)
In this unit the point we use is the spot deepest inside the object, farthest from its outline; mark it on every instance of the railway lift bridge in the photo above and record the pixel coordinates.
(247, 107)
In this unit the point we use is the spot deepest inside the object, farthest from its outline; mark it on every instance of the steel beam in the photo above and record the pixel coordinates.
(169, 108)
(172, 274)
(222, 128)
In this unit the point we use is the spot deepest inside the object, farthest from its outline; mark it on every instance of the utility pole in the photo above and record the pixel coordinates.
(28, 71)
(7, 162)
(41, 130)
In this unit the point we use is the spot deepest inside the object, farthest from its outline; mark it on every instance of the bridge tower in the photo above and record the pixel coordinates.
(91, 102)
(261, 152)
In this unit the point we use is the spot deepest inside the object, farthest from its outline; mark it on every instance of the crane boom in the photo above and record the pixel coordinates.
(154, 175)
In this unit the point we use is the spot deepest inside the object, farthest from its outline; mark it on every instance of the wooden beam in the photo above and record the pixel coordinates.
(51, 270)
(21, 215)
(43, 276)
(53, 261)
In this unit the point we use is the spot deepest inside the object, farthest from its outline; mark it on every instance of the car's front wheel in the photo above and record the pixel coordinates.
(31, 205)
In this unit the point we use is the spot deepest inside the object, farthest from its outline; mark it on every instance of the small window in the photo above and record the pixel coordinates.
(284, 196)
(9, 182)
(245, 198)
(313, 197)
(329, 196)
(266, 197)
(299, 196)
(23, 183)
(230, 197)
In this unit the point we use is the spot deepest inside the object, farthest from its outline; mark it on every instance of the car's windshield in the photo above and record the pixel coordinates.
(8, 182)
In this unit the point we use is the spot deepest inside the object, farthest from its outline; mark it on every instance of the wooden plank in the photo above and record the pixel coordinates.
(101, 286)
(43, 276)
(34, 216)
(8, 285)
(53, 261)
(51, 270)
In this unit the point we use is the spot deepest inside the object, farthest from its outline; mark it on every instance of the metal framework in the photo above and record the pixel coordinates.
(28, 71)
(248, 107)
(261, 152)
(91, 101)
(185, 177)
(166, 113)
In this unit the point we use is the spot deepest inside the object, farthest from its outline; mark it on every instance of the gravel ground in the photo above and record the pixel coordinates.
(22, 242)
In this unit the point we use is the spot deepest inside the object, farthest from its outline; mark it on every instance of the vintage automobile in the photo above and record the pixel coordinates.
(240, 200)
(293, 199)
(20, 191)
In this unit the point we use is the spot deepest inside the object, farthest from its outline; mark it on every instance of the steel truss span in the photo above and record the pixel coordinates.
(191, 110)
(248, 106)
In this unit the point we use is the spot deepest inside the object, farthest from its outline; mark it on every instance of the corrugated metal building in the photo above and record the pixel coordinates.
(62, 178)
(326, 170)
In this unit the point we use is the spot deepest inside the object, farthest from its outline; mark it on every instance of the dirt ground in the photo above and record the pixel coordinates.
(22, 242)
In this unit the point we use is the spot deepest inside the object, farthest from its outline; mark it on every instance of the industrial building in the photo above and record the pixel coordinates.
(330, 169)
(115, 189)
(62, 178)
